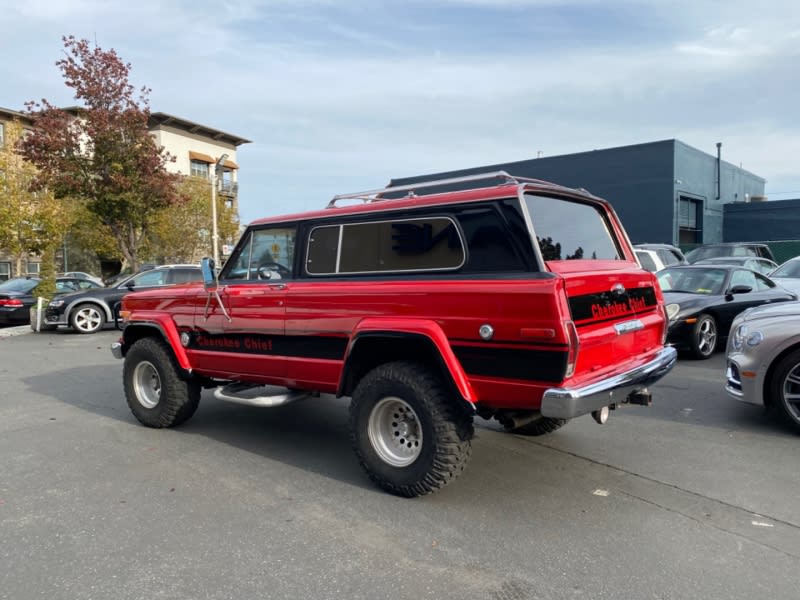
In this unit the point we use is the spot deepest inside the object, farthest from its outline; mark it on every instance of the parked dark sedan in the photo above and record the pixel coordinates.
(88, 311)
(702, 301)
(18, 295)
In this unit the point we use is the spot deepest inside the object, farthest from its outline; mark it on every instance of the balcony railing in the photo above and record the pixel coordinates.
(228, 188)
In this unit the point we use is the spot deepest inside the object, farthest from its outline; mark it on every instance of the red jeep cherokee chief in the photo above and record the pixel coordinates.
(426, 304)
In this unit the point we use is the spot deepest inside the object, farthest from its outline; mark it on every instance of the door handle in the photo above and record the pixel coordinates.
(277, 286)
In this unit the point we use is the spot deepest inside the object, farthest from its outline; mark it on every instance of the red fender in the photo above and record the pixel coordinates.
(429, 329)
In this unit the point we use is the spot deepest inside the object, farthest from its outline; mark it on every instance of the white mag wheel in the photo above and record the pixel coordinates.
(394, 432)
(147, 384)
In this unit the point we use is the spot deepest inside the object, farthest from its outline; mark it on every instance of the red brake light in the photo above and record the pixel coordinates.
(10, 302)
(572, 352)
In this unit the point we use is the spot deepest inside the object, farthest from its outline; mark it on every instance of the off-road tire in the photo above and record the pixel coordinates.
(177, 398)
(788, 367)
(445, 427)
(87, 318)
(705, 337)
(541, 426)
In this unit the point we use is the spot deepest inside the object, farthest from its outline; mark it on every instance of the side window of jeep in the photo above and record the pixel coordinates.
(388, 246)
(267, 254)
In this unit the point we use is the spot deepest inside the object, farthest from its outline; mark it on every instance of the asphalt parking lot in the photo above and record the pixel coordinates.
(694, 497)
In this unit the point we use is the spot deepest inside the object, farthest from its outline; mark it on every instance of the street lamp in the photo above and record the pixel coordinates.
(214, 235)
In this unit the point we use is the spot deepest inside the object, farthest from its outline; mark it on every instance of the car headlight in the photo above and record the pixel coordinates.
(56, 303)
(742, 335)
(672, 311)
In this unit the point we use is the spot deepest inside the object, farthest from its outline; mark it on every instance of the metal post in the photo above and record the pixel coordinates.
(214, 235)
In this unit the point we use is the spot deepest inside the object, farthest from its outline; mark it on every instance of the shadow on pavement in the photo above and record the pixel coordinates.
(310, 434)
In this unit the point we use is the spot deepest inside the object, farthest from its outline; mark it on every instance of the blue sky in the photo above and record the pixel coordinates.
(342, 95)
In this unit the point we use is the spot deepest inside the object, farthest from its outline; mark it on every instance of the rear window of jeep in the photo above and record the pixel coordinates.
(569, 230)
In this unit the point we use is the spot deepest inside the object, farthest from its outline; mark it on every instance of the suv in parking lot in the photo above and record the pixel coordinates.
(655, 257)
(519, 300)
(88, 310)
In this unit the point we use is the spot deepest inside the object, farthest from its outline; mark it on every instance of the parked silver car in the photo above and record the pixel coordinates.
(763, 362)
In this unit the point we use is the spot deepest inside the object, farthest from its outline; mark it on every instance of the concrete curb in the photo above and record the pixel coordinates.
(12, 331)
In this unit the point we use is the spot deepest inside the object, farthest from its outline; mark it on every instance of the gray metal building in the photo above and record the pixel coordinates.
(663, 191)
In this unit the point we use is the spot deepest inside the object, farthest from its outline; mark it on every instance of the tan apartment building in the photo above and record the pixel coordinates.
(197, 150)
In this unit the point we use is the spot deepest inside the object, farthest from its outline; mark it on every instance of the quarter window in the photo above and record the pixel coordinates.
(569, 230)
(396, 246)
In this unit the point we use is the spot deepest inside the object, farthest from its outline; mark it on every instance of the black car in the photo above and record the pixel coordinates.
(18, 295)
(88, 311)
(729, 249)
(702, 301)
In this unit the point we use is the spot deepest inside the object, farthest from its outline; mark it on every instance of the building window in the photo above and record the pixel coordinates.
(5, 271)
(199, 169)
(690, 221)
(2, 134)
(33, 268)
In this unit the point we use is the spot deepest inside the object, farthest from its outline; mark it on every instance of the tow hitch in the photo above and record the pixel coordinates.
(641, 398)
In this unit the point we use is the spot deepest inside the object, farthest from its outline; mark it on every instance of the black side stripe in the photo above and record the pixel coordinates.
(513, 363)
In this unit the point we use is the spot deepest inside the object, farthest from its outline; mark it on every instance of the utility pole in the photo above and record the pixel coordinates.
(214, 236)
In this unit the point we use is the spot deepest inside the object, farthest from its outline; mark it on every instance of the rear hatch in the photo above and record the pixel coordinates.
(614, 306)
(612, 301)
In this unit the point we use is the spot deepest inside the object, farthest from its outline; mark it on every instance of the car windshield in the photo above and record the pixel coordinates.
(787, 269)
(18, 285)
(693, 281)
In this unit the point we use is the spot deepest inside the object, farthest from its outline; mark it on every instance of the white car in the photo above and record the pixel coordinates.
(655, 257)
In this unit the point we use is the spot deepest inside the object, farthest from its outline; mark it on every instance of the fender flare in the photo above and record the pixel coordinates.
(166, 327)
(428, 329)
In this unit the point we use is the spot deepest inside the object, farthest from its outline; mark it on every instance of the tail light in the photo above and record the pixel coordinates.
(10, 302)
(666, 325)
(572, 352)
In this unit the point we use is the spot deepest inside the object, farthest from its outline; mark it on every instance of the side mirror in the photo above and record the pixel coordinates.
(740, 289)
(209, 278)
(129, 284)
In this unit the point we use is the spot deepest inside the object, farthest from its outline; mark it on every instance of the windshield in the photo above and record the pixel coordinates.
(693, 281)
(568, 230)
(18, 285)
(787, 269)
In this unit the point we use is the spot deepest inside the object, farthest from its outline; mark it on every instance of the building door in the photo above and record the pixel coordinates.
(690, 221)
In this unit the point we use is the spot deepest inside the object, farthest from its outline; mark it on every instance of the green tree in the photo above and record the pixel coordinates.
(103, 155)
(182, 233)
(31, 221)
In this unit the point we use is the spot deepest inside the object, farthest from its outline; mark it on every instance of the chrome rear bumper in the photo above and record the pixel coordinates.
(566, 403)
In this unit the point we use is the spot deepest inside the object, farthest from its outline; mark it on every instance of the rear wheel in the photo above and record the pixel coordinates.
(704, 337)
(87, 318)
(410, 436)
(156, 394)
(785, 388)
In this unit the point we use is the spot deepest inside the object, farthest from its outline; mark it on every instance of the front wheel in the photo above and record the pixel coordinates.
(155, 392)
(704, 337)
(410, 435)
(87, 318)
(785, 388)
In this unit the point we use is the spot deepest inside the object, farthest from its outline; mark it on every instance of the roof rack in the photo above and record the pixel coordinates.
(377, 195)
